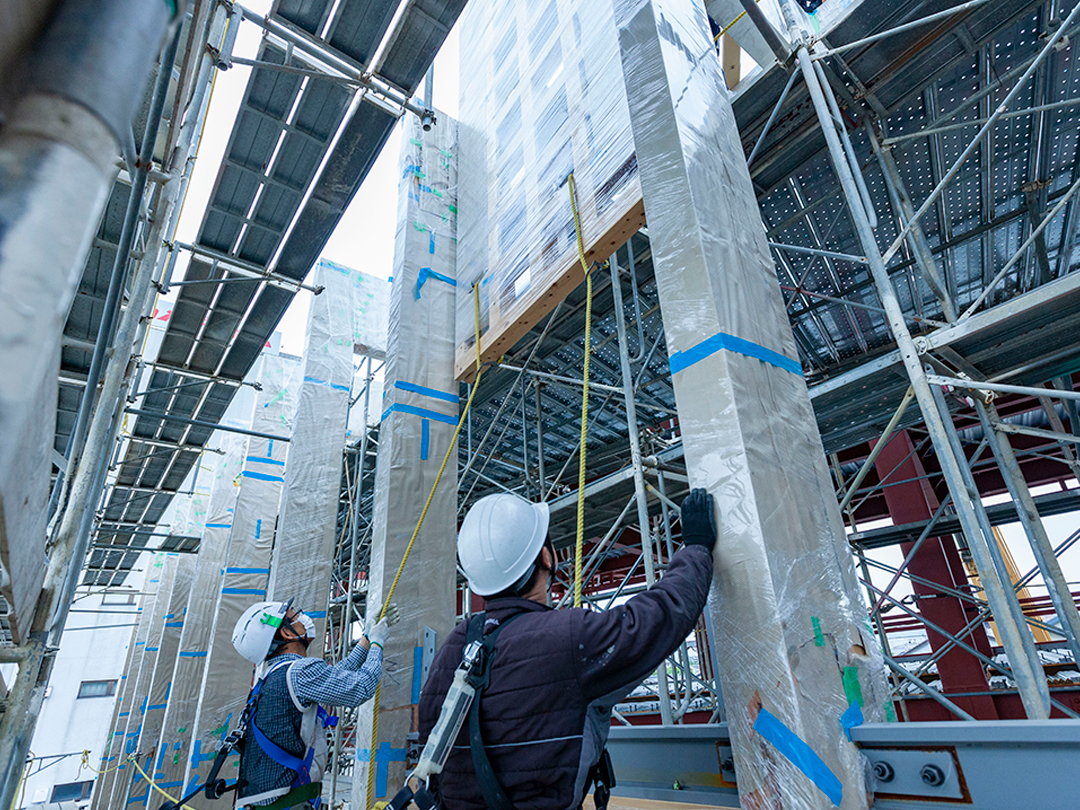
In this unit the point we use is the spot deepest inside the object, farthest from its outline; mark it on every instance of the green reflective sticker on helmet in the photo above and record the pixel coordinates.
(270, 619)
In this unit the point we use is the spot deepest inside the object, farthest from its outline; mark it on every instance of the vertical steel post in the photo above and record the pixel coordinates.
(932, 559)
(639, 474)
(1012, 603)
(1056, 585)
(1028, 680)
(540, 473)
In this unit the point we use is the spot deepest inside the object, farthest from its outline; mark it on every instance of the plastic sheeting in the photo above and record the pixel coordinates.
(168, 647)
(227, 676)
(176, 737)
(141, 740)
(794, 651)
(24, 497)
(420, 413)
(541, 96)
(305, 538)
(114, 791)
(371, 304)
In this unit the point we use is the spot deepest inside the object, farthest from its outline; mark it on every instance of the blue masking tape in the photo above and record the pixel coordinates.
(425, 274)
(247, 570)
(424, 413)
(417, 667)
(335, 386)
(261, 476)
(425, 441)
(427, 392)
(683, 360)
(264, 460)
(848, 720)
(800, 755)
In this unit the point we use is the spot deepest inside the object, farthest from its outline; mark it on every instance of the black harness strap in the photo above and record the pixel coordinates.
(494, 795)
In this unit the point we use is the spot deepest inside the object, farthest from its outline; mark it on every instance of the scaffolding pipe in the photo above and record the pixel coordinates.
(1031, 693)
(993, 548)
(118, 278)
(905, 211)
(983, 131)
(886, 435)
(765, 28)
(1056, 586)
(924, 688)
(666, 717)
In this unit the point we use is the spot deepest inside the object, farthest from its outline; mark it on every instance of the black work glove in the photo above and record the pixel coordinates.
(699, 519)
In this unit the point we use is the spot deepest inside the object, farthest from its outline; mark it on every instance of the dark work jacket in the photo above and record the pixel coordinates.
(555, 677)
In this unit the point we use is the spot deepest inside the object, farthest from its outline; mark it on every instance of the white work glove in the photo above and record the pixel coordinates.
(377, 634)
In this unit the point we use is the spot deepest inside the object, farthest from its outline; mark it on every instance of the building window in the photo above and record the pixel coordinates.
(90, 689)
(72, 791)
(118, 598)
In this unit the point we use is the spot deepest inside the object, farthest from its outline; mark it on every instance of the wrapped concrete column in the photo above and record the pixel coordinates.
(420, 412)
(137, 743)
(176, 737)
(168, 647)
(227, 677)
(125, 732)
(301, 562)
(796, 657)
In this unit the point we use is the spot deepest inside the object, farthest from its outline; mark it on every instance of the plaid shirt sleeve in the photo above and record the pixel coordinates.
(348, 683)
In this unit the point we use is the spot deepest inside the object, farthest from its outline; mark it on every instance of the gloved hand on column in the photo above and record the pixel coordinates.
(698, 517)
(378, 631)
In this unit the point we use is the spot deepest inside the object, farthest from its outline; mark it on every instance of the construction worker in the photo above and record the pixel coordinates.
(538, 724)
(282, 735)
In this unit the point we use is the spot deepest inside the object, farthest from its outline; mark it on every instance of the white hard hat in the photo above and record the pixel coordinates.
(255, 629)
(499, 540)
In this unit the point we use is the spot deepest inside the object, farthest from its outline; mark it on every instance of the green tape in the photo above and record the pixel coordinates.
(819, 638)
(172, 7)
(415, 142)
(436, 192)
(453, 209)
(419, 175)
(852, 687)
(419, 227)
(890, 712)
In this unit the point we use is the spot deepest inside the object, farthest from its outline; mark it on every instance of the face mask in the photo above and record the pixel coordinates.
(309, 626)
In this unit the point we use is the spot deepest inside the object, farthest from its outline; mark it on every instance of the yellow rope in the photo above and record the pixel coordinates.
(153, 784)
(727, 27)
(86, 764)
(416, 531)
(584, 397)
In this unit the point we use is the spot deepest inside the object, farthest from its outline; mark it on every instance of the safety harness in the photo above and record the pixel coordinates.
(478, 654)
(306, 787)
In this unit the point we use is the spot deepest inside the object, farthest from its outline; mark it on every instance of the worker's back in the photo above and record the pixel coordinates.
(554, 678)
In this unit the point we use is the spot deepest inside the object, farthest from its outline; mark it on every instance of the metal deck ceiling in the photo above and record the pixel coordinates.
(856, 379)
(271, 211)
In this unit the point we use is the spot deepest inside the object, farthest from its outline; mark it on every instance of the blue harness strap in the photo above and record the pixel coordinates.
(302, 767)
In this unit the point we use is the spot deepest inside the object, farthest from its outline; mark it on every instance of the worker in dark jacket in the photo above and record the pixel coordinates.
(556, 674)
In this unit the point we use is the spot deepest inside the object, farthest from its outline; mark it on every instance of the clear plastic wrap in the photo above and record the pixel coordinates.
(168, 647)
(304, 543)
(189, 668)
(144, 719)
(420, 412)
(541, 96)
(227, 677)
(117, 747)
(794, 650)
